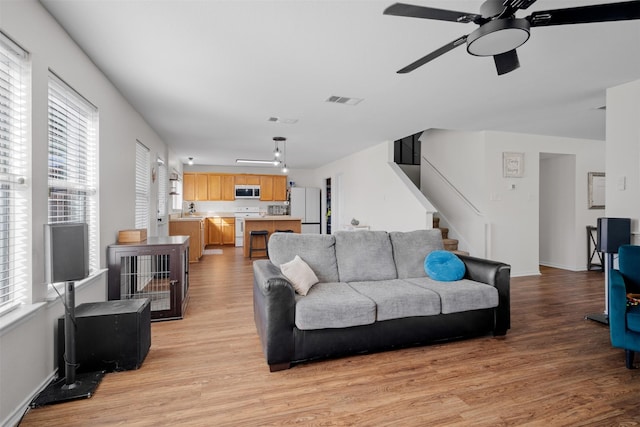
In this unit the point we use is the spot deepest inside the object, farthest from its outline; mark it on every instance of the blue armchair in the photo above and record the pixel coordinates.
(624, 320)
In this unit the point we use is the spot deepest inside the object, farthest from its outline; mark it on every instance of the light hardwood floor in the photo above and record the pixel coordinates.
(554, 368)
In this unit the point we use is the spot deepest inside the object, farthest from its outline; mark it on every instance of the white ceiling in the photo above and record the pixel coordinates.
(207, 75)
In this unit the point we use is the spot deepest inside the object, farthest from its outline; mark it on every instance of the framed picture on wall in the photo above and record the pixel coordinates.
(596, 190)
(512, 165)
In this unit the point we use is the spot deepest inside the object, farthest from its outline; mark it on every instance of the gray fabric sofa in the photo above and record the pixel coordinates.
(373, 294)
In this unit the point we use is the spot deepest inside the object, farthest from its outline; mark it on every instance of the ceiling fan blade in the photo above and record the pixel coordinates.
(519, 4)
(506, 62)
(621, 11)
(433, 55)
(412, 11)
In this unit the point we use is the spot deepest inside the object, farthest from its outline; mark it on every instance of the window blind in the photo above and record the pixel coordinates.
(14, 215)
(73, 161)
(143, 160)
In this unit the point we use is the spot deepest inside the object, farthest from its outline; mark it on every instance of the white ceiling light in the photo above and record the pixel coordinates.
(258, 162)
(277, 154)
(190, 162)
(498, 36)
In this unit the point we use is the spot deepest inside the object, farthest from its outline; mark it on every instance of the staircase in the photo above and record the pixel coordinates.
(449, 244)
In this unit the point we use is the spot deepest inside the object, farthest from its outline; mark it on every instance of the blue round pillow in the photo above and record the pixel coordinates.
(444, 266)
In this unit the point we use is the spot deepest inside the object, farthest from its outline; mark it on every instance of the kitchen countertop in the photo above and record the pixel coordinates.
(201, 215)
(273, 218)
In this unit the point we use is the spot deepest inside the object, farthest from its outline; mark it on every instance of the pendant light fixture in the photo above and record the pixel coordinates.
(284, 169)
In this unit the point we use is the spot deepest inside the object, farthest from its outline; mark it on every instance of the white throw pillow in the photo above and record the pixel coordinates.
(299, 274)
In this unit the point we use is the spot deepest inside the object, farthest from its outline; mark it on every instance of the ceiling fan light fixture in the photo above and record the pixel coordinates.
(498, 36)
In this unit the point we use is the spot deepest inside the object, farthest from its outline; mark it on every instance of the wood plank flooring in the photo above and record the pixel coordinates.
(554, 368)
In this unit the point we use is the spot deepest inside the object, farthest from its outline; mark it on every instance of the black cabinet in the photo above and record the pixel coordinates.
(110, 335)
(157, 269)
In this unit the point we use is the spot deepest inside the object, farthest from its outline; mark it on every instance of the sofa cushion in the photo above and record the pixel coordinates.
(317, 250)
(444, 266)
(299, 274)
(410, 249)
(333, 305)
(461, 295)
(364, 255)
(396, 298)
(633, 318)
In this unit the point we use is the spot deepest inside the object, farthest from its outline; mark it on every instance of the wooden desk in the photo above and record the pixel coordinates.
(269, 223)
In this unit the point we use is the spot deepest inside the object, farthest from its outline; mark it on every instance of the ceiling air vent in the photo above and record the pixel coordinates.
(282, 120)
(344, 100)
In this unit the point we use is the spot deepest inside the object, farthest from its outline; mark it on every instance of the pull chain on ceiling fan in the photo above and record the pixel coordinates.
(500, 33)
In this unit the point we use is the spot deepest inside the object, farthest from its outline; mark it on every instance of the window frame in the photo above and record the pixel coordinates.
(15, 220)
(73, 161)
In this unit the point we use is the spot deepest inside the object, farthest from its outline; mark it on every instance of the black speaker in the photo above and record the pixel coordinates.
(66, 248)
(613, 233)
(110, 335)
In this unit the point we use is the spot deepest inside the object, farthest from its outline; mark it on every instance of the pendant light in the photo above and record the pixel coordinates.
(284, 169)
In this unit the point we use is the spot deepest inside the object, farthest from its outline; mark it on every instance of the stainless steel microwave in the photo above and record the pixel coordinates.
(247, 191)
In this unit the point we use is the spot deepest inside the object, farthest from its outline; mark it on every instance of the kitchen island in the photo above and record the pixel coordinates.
(271, 223)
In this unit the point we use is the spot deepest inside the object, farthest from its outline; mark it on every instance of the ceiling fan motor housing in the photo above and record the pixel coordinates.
(498, 36)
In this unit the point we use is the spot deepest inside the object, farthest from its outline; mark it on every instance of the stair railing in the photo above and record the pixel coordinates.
(453, 187)
(468, 222)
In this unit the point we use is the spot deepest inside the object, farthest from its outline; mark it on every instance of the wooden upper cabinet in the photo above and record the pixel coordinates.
(215, 187)
(247, 179)
(189, 186)
(266, 187)
(202, 186)
(195, 186)
(279, 188)
(228, 187)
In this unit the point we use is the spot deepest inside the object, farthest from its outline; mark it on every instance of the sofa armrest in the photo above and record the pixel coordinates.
(617, 309)
(496, 274)
(274, 312)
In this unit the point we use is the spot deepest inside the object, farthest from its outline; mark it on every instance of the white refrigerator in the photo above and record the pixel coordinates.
(305, 204)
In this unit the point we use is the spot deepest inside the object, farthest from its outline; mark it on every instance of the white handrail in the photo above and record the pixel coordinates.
(453, 187)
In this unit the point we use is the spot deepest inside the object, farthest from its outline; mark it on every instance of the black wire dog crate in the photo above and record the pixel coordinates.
(157, 268)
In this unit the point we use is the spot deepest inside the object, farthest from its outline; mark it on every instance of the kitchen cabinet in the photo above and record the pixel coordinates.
(218, 187)
(195, 186)
(195, 230)
(221, 231)
(280, 188)
(214, 189)
(228, 187)
(247, 179)
(273, 187)
(221, 187)
(269, 223)
(266, 187)
(214, 233)
(189, 186)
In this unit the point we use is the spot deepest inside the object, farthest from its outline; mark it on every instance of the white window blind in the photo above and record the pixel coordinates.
(73, 161)
(143, 164)
(14, 215)
(163, 192)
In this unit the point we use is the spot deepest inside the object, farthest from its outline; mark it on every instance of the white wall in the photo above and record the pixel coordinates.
(513, 214)
(623, 155)
(368, 186)
(26, 346)
(558, 211)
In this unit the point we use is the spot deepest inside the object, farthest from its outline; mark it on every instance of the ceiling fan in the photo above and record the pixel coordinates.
(500, 32)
